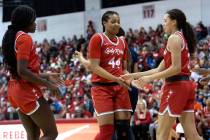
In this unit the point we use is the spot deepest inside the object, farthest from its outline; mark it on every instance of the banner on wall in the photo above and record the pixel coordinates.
(12, 132)
(69, 129)
(42, 25)
(148, 11)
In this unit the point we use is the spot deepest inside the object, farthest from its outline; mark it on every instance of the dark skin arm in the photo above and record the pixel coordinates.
(29, 76)
(52, 77)
(44, 76)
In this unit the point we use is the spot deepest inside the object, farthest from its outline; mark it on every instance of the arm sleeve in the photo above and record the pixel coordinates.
(23, 46)
(94, 47)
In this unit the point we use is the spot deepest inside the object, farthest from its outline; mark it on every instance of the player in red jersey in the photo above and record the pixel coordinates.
(178, 92)
(24, 93)
(107, 60)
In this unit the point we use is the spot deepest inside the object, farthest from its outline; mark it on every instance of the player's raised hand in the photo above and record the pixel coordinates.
(82, 60)
(78, 55)
(122, 82)
(53, 88)
(127, 78)
(137, 84)
(141, 82)
(56, 78)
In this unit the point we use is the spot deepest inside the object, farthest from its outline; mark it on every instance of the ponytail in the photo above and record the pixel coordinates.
(182, 24)
(190, 37)
(8, 51)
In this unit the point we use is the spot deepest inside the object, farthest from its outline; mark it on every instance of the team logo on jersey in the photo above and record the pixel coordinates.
(113, 51)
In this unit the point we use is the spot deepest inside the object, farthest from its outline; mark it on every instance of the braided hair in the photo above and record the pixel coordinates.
(21, 18)
(182, 24)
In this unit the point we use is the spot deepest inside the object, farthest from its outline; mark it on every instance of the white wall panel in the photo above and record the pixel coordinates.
(131, 17)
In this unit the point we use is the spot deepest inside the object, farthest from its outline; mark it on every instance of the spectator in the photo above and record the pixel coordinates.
(142, 119)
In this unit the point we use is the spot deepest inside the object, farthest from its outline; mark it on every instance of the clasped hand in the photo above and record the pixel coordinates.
(139, 83)
(54, 83)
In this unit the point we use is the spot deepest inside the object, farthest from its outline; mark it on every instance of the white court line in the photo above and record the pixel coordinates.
(71, 132)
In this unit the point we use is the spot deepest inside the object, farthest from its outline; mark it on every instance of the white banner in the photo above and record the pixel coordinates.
(12, 132)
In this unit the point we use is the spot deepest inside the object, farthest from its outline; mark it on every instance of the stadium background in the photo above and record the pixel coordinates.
(66, 25)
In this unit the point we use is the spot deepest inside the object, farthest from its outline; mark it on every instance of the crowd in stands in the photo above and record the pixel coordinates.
(147, 47)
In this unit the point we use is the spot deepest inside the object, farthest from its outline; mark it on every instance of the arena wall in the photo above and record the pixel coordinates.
(132, 16)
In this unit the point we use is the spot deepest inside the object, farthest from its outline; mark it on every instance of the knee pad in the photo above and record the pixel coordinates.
(123, 130)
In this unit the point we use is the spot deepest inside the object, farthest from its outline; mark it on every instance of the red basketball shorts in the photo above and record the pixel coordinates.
(23, 96)
(110, 99)
(177, 97)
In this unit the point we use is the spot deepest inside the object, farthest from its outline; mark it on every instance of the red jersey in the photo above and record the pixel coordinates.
(22, 94)
(185, 56)
(110, 52)
(25, 50)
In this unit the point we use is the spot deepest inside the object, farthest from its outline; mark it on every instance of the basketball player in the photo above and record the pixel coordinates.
(22, 62)
(178, 92)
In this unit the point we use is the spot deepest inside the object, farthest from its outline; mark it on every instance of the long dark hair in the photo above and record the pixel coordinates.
(105, 17)
(182, 24)
(21, 17)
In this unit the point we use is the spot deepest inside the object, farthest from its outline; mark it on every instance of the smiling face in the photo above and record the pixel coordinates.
(169, 25)
(112, 25)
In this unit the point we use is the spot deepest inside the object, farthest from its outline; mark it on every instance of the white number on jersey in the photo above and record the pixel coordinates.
(114, 63)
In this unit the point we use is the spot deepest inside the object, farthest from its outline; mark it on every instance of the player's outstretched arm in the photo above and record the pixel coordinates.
(82, 60)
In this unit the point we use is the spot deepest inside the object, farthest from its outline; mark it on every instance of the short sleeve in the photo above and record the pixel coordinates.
(94, 47)
(23, 46)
